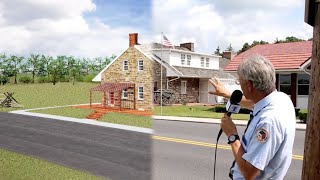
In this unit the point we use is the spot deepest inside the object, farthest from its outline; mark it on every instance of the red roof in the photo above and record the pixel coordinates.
(282, 55)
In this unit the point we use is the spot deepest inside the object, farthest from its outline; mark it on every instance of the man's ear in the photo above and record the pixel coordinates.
(250, 85)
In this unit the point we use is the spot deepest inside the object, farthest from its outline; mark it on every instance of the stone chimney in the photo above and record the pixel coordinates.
(229, 55)
(189, 46)
(133, 39)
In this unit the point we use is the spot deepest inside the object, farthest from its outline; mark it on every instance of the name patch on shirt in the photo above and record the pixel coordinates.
(262, 135)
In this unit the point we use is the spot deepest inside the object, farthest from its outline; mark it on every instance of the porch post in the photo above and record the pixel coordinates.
(294, 89)
(90, 97)
(277, 82)
(104, 100)
(120, 99)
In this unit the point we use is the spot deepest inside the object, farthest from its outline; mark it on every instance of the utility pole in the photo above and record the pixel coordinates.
(311, 162)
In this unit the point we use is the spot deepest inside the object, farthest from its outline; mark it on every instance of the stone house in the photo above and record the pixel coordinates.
(136, 65)
(185, 72)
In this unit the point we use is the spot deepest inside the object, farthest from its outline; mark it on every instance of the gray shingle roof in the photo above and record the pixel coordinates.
(186, 71)
(203, 73)
(158, 46)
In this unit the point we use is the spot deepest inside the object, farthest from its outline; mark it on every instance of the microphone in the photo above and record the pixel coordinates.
(232, 105)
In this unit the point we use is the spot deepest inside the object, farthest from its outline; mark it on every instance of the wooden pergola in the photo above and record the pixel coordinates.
(116, 88)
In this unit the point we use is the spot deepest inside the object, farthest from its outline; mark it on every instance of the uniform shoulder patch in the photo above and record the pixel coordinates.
(262, 135)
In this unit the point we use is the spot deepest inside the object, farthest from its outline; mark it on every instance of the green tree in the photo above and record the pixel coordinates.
(217, 52)
(34, 62)
(85, 65)
(54, 71)
(245, 47)
(92, 66)
(288, 39)
(3, 77)
(75, 70)
(230, 48)
(44, 65)
(112, 57)
(62, 64)
(13, 63)
(105, 62)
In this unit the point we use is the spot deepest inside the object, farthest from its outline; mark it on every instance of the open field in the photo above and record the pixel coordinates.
(46, 95)
(18, 166)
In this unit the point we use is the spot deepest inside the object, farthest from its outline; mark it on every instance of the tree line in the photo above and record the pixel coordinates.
(48, 68)
(247, 46)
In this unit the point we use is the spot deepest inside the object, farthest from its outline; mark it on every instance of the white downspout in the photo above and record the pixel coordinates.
(171, 80)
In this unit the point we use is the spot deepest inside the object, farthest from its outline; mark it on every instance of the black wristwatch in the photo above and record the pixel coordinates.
(232, 138)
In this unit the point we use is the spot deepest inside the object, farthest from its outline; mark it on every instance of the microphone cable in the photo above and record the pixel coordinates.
(215, 154)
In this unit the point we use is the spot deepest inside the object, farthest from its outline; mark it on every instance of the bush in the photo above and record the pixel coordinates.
(25, 79)
(88, 78)
(222, 109)
(297, 111)
(64, 79)
(4, 79)
(44, 79)
(303, 116)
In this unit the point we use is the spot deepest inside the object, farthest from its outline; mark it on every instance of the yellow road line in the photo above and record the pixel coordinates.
(211, 145)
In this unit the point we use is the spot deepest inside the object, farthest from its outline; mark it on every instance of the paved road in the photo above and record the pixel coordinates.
(107, 152)
(184, 150)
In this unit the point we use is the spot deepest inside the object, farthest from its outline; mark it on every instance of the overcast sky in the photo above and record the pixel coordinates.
(213, 23)
(91, 28)
(83, 28)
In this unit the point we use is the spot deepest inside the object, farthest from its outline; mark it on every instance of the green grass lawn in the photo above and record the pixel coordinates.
(195, 111)
(44, 95)
(117, 118)
(66, 111)
(127, 119)
(18, 166)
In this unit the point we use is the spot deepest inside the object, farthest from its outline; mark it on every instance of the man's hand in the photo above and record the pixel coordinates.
(220, 90)
(228, 126)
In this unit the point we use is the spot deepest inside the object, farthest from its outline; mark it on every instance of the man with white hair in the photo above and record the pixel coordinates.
(265, 149)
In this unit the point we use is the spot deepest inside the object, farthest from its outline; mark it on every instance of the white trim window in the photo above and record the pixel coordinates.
(202, 61)
(183, 59)
(125, 65)
(140, 65)
(207, 62)
(140, 93)
(285, 83)
(303, 84)
(183, 87)
(189, 59)
(125, 94)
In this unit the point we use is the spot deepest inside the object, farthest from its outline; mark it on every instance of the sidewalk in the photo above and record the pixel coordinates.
(299, 126)
(83, 121)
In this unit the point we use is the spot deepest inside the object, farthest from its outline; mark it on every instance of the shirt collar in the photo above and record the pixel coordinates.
(263, 102)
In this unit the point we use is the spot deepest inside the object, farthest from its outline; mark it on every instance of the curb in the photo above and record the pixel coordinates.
(83, 121)
(300, 127)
